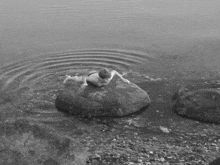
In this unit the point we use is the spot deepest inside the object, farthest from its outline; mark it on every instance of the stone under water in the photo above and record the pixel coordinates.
(24, 142)
(199, 104)
(215, 162)
(116, 99)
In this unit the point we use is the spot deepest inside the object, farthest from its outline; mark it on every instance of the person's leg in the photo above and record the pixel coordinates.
(114, 72)
(75, 78)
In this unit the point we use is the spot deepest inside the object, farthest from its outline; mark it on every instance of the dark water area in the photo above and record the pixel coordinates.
(159, 45)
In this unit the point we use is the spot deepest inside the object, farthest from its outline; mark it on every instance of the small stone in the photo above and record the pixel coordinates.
(155, 138)
(139, 161)
(164, 129)
(161, 159)
(96, 156)
(130, 163)
(203, 135)
(213, 144)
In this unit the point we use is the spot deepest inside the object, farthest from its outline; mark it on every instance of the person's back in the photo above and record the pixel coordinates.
(100, 78)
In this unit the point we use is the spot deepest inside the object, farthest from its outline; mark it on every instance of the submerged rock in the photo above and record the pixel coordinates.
(115, 99)
(25, 143)
(199, 104)
(215, 162)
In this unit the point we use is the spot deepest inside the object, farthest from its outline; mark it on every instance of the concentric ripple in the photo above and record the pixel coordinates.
(31, 85)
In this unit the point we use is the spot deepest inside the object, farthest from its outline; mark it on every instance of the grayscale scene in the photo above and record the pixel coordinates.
(109, 82)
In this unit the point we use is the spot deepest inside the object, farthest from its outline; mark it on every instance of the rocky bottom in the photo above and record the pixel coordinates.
(159, 146)
(155, 136)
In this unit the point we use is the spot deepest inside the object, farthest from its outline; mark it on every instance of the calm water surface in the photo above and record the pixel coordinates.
(158, 43)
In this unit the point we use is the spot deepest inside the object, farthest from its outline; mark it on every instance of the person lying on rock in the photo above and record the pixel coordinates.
(98, 78)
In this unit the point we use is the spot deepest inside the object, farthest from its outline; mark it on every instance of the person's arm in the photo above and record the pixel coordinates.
(68, 77)
(84, 81)
(113, 73)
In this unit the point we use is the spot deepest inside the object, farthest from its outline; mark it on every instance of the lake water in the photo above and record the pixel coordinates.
(160, 44)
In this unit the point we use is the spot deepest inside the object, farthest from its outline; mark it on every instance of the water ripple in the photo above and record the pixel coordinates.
(31, 85)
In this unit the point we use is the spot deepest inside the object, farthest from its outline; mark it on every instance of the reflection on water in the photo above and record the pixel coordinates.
(171, 27)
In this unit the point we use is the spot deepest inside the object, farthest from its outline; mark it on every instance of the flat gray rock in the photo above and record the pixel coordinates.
(199, 104)
(115, 99)
(26, 143)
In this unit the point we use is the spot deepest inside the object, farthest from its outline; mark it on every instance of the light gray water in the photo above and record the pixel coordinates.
(154, 41)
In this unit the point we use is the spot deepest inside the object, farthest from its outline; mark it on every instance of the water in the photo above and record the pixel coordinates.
(159, 44)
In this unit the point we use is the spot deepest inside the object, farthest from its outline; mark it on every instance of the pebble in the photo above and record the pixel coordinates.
(164, 129)
(96, 156)
(161, 159)
(151, 152)
(139, 161)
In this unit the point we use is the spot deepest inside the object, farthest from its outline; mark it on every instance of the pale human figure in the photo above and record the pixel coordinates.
(97, 78)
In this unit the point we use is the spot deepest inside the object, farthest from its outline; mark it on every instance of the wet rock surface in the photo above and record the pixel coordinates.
(199, 104)
(115, 99)
(215, 162)
(23, 142)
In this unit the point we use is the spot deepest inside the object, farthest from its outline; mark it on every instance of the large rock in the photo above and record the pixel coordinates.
(26, 143)
(115, 99)
(199, 104)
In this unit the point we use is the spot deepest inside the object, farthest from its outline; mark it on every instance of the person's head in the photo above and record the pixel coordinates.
(104, 73)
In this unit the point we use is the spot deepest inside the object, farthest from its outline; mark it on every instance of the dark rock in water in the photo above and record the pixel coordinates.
(215, 162)
(26, 143)
(199, 104)
(115, 99)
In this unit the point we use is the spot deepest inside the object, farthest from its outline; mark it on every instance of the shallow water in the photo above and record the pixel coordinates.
(160, 45)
